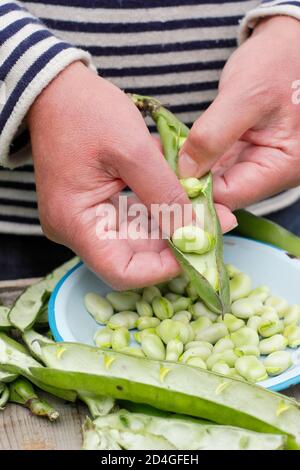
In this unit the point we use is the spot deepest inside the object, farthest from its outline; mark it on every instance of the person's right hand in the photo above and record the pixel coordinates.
(89, 142)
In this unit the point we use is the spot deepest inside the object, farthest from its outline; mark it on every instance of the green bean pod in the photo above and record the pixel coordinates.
(137, 352)
(29, 305)
(4, 395)
(172, 132)
(267, 231)
(22, 392)
(14, 358)
(5, 324)
(185, 433)
(171, 387)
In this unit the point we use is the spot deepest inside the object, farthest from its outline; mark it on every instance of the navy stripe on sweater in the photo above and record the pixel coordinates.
(118, 28)
(160, 48)
(131, 4)
(28, 76)
(13, 28)
(28, 42)
(161, 69)
(169, 89)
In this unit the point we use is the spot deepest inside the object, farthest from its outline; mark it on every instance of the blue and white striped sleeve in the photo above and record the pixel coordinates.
(265, 9)
(30, 57)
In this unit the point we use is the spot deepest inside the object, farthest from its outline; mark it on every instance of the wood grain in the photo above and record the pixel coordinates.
(20, 430)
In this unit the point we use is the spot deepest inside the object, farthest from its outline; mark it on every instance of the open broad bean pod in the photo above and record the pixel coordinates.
(204, 265)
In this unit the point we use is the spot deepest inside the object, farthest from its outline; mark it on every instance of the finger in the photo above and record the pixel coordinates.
(227, 219)
(116, 262)
(219, 127)
(154, 183)
(260, 173)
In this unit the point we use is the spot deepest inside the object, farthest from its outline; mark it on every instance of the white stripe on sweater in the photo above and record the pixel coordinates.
(139, 15)
(150, 37)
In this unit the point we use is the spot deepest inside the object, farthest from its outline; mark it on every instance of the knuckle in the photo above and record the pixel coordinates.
(203, 139)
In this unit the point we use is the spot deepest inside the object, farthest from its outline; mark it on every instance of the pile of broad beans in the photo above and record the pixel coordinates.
(169, 322)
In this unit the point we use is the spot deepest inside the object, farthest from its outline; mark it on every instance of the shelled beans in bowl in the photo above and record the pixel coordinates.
(169, 322)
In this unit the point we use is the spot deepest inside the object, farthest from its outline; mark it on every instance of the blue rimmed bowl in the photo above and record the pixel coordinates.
(69, 320)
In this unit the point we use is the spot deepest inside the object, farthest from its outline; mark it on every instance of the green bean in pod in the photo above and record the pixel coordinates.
(172, 387)
(203, 266)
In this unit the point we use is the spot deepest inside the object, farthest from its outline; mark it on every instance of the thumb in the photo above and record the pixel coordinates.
(219, 127)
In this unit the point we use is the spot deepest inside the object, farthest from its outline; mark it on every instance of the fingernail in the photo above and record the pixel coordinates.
(229, 227)
(187, 166)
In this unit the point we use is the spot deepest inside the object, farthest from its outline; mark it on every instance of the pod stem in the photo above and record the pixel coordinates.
(171, 130)
(21, 391)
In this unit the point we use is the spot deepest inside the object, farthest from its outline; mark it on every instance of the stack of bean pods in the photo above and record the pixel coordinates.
(169, 322)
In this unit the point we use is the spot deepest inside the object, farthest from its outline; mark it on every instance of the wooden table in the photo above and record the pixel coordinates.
(20, 430)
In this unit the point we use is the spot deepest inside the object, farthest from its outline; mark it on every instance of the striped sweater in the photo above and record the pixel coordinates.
(172, 49)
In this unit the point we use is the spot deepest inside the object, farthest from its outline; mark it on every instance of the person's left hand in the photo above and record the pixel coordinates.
(250, 135)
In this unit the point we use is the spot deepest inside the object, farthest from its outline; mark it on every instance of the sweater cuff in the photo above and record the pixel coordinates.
(30, 57)
(266, 9)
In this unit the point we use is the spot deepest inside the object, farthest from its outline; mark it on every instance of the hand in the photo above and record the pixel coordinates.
(250, 135)
(89, 142)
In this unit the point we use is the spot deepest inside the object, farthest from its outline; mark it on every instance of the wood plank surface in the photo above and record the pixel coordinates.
(20, 430)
